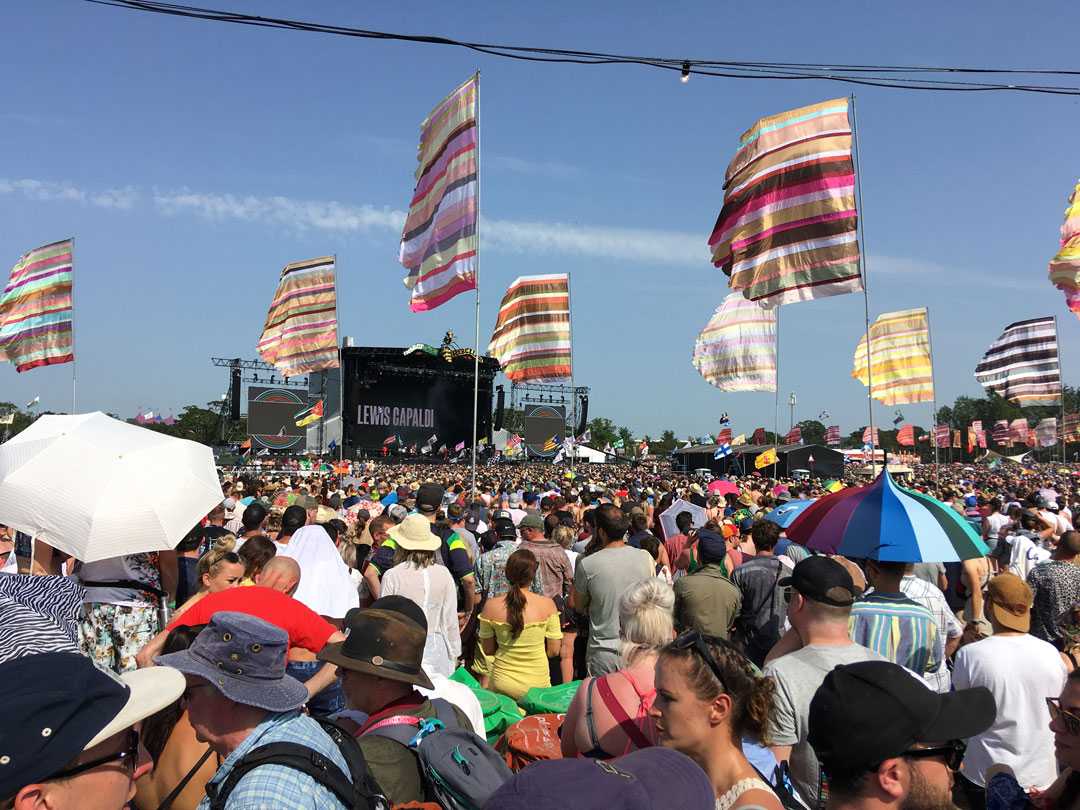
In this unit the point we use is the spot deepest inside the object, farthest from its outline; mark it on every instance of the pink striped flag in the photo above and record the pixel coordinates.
(439, 243)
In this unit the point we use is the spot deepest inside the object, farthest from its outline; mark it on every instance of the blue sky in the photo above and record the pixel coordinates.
(191, 160)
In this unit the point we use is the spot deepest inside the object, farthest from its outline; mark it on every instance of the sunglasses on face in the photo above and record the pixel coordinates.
(128, 756)
(951, 753)
(1068, 719)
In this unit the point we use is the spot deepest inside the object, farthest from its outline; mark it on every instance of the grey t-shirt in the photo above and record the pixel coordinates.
(798, 676)
(600, 581)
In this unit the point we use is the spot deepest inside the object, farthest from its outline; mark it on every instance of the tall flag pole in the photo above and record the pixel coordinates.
(1062, 375)
(36, 311)
(476, 287)
(863, 281)
(933, 388)
(1022, 364)
(1065, 266)
(776, 396)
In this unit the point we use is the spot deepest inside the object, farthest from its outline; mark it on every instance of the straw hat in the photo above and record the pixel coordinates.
(414, 534)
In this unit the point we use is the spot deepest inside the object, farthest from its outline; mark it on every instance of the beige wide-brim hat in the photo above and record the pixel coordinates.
(414, 534)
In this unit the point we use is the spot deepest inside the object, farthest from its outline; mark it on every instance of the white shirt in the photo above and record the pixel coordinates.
(433, 589)
(1020, 672)
(325, 584)
(460, 695)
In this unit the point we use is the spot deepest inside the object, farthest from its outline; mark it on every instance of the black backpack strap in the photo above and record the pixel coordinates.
(291, 755)
(167, 802)
(444, 710)
(347, 744)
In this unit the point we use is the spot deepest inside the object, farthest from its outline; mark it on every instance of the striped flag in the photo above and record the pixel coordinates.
(300, 333)
(439, 242)
(866, 437)
(900, 366)
(1065, 266)
(35, 309)
(794, 436)
(1001, 432)
(724, 436)
(832, 435)
(1071, 426)
(1046, 432)
(532, 333)
(787, 230)
(941, 435)
(759, 435)
(956, 439)
(1022, 364)
(736, 351)
(1018, 431)
(905, 436)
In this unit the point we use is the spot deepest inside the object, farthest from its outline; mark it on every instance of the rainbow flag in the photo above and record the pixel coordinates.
(787, 231)
(439, 241)
(532, 333)
(1065, 266)
(736, 351)
(300, 333)
(900, 365)
(35, 309)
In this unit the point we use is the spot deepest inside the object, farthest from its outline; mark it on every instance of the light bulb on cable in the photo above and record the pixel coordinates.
(685, 77)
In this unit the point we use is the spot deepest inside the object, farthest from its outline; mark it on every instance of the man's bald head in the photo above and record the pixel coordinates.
(281, 574)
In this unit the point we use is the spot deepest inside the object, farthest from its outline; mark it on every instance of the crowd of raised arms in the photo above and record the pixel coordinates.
(612, 636)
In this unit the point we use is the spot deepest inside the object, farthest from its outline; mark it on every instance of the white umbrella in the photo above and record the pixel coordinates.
(95, 487)
(667, 517)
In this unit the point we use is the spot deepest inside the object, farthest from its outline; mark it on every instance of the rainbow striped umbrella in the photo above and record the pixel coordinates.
(887, 522)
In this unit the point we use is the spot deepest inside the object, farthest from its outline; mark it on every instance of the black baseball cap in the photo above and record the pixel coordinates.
(822, 579)
(429, 497)
(865, 713)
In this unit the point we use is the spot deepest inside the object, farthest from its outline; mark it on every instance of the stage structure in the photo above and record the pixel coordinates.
(548, 410)
(408, 393)
(248, 371)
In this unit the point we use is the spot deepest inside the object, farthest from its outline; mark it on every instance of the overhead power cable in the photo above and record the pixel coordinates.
(902, 77)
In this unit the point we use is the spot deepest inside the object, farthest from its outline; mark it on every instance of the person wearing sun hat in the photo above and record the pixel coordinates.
(68, 725)
(1020, 670)
(381, 661)
(417, 575)
(239, 699)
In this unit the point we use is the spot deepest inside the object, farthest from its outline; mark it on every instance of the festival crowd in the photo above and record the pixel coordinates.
(618, 636)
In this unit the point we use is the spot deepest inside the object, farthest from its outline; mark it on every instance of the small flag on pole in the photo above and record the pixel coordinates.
(766, 458)
(722, 451)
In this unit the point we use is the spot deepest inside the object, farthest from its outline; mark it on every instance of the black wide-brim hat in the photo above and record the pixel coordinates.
(383, 643)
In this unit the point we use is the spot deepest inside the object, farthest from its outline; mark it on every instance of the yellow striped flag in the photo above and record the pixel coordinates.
(551, 444)
(899, 358)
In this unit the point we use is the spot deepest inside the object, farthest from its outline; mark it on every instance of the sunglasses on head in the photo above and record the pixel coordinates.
(699, 642)
(128, 756)
(952, 753)
(1068, 719)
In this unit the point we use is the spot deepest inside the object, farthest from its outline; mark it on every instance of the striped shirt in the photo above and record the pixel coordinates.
(898, 629)
(931, 598)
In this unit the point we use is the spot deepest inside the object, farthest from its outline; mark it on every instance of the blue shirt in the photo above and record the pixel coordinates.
(276, 786)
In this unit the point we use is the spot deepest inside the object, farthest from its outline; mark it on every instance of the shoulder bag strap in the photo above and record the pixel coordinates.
(636, 735)
(290, 755)
(167, 802)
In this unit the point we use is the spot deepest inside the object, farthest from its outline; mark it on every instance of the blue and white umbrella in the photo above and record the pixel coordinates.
(784, 514)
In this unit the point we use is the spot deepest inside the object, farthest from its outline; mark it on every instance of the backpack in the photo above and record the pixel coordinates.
(360, 792)
(459, 769)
